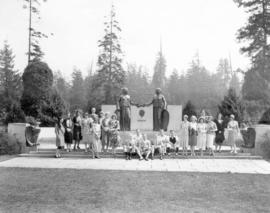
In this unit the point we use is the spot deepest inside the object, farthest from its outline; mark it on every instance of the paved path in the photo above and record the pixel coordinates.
(170, 165)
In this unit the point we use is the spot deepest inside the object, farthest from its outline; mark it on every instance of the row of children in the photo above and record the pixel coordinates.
(140, 145)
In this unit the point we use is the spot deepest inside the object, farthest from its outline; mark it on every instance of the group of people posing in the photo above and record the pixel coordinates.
(205, 133)
(99, 132)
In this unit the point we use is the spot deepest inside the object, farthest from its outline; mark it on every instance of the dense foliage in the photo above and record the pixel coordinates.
(265, 119)
(77, 92)
(189, 109)
(10, 87)
(10, 145)
(232, 104)
(39, 98)
(254, 34)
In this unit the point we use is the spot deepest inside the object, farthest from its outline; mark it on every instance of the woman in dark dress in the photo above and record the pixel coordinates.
(68, 132)
(77, 130)
(193, 133)
(220, 132)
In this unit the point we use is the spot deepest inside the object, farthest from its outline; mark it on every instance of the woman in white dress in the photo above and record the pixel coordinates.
(95, 138)
(201, 138)
(233, 131)
(105, 133)
(86, 121)
(184, 131)
(211, 134)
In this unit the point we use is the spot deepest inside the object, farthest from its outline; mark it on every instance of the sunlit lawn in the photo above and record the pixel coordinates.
(67, 190)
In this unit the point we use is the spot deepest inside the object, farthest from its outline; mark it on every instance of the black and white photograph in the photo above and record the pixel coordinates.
(122, 106)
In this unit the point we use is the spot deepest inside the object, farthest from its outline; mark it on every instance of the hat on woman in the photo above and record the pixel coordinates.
(194, 117)
(201, 118)
(114, 116)
(185, 116)
(232, 116)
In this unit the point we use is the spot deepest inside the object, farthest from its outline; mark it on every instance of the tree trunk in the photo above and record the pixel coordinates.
(30, 31)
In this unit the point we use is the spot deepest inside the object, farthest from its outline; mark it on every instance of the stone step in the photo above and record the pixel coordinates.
(120, 152)
(121, 156)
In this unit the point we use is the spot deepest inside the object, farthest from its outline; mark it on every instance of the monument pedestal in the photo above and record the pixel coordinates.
(142, 117)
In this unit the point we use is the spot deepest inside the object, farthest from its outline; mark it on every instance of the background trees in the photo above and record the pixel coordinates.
(110, 74)
(204, 88)
(138, 84)
(77, 91)
(189, 109)
(62, 86)
(10, 86)
(232, 104)
(159, 76)
(256, 87)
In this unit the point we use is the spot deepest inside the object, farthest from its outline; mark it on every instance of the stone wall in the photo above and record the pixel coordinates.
(18, 130)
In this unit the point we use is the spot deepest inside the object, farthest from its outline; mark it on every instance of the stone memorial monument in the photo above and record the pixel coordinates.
(133, 116)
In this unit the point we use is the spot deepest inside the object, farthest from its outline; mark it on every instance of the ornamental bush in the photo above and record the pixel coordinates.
(10, 145)
(232, 104)
(189, 109)
(39, 99)
(265, 119)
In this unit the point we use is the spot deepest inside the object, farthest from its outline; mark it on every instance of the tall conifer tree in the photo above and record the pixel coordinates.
(111, 75)
(10, 81)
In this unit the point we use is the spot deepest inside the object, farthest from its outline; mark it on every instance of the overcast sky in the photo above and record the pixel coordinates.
(185, 27)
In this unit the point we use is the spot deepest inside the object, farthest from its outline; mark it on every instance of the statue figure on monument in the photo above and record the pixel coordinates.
(160, 113)
(123, 106)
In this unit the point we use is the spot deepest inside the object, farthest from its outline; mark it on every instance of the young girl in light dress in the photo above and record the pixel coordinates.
(86, 122)
(95, 130)
(211, 134)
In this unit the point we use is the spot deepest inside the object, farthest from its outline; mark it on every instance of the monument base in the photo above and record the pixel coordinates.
(142, 117)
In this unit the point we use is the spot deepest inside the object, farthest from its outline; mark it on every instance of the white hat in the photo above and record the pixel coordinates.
(194, 117)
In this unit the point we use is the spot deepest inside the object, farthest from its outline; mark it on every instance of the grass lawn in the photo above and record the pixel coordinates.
(66, 190)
